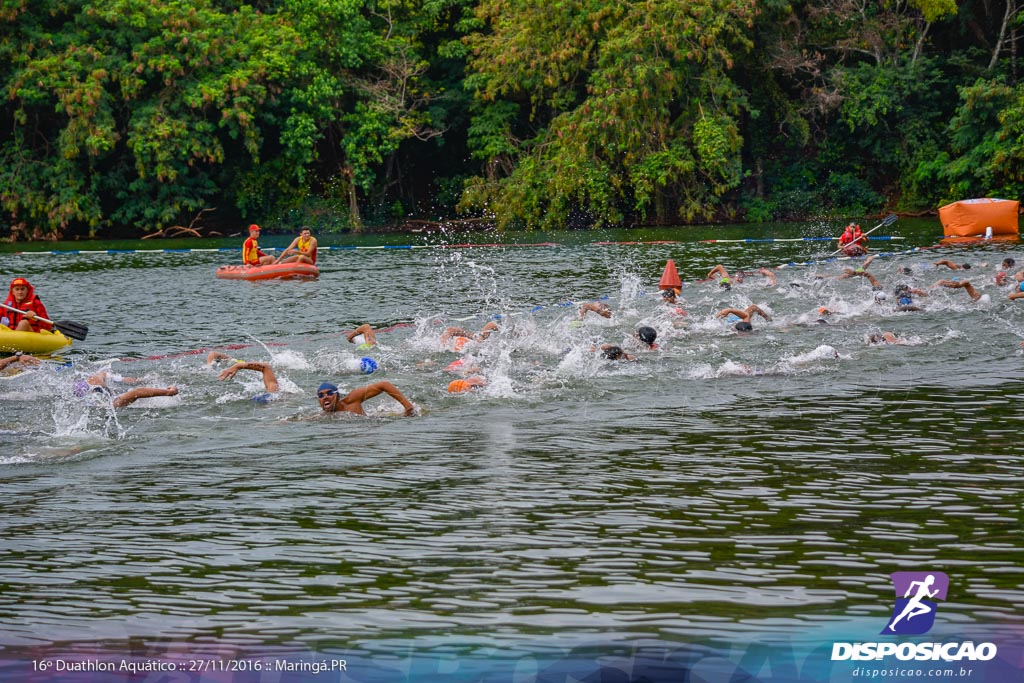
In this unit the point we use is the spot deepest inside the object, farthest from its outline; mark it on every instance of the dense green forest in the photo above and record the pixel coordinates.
(134, 115)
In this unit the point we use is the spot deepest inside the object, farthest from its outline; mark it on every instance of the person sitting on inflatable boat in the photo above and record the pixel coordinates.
(23, 297)
(252, 255)
(304, 248)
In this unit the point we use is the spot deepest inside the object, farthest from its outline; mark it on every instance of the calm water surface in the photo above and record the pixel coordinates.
(722, 484)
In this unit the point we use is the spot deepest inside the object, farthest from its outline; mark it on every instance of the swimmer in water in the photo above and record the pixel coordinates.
(905, 297)
(602, 309)
(362, 335)
(647, 334)
(333, 402)
(613, 352)
(1018, 292)
(884, 338)
(952, 266)
(269, 378)
(861, 271)
(769, 275)
(460, 386)
(670, 298)
(453, 334)
(959, 284)
(96, 384)
(1002, 277)
(743, 315)
(724, 281)
(23, 360)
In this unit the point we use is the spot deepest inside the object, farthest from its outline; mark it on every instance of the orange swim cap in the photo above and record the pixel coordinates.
(457, 386)
(459, 342)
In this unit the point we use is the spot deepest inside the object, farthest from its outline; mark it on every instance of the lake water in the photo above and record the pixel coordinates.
(722, 486)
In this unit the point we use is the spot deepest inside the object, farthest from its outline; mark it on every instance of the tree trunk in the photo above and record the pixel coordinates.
(1002, 34)
(920, 42)
(1013, 56)
(355, 221)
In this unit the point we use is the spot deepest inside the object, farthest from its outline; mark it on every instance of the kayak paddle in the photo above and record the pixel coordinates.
(70, 329)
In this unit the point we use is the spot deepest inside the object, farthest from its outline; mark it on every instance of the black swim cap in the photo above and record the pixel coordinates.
(613, 352)
(743, 326)
(647, 334)
(966, 266)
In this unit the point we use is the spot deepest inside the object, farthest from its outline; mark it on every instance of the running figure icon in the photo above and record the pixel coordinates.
(919, 590)
(915, 607)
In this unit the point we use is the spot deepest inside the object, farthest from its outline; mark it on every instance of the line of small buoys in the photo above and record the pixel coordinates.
(235, 347)
(111, 252)
(750, 240)
(85, 252)
(881, 254)
(196, 352)
(535, 309)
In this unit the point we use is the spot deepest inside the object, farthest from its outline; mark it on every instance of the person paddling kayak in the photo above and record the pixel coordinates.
(22, 296)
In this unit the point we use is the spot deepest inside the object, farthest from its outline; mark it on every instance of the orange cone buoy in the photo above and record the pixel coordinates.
(670, 277)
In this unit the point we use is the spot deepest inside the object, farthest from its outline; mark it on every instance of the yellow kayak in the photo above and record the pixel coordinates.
(42, 342)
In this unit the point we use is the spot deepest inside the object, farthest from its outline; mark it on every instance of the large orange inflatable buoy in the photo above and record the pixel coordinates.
(974, 217)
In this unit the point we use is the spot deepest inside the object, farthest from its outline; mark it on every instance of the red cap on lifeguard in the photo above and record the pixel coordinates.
(253, 227)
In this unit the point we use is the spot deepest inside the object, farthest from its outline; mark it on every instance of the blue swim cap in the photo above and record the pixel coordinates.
(263, 398)
(326, 385)
(81, 388)
(731, 318)
(367, 365)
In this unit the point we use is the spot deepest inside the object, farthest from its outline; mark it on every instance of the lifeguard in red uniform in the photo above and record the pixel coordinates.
(252, 255)
(22, 296)
(852, 241)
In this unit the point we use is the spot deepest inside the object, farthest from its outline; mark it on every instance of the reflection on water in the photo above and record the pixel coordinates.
(721, 483)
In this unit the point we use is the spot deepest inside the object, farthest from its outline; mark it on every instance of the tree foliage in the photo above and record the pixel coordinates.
(126, 110)
(629, 106)
(141, 113)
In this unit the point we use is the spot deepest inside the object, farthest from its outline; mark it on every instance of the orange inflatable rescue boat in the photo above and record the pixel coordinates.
(274, 271)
